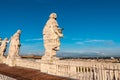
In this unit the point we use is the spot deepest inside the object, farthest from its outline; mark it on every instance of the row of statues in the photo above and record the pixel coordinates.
(14, 48)
(51, 36)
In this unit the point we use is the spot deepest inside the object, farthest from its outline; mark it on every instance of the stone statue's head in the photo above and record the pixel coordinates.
(0, 39)
(53, 15)
(6, 39)
(19, 31)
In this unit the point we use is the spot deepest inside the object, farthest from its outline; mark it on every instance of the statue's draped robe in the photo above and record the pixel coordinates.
(51, 35)
(3, 47)
(14, 45)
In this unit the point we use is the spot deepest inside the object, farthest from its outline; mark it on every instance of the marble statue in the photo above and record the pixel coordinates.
(14, 45)
(14, 48)
(51, 35)
(3, 46)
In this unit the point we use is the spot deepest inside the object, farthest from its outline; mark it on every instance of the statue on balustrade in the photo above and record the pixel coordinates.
(51, 35)
(3, 46)
(14, 45)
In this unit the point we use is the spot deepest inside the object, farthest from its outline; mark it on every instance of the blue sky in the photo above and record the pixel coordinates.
(89, 25)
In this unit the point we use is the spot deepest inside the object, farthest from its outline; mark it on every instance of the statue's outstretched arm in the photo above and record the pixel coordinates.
(57, 31)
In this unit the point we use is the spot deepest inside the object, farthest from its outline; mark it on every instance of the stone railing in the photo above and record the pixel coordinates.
(75, 69)
(28, 63)
(82, 70)
(4, 77)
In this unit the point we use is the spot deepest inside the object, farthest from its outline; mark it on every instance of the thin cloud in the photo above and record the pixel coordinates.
(79, 42)
(101, 41)
(109, 42)
(36, 39)
(96, 40)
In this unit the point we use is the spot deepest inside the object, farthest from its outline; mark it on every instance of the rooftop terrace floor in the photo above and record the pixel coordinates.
(21, 73)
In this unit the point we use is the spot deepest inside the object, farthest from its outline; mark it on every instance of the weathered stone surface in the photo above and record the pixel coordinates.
(14, 49)
(51, 36)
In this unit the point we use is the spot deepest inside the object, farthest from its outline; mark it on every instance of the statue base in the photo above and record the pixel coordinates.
(2, 59)
(12, 61)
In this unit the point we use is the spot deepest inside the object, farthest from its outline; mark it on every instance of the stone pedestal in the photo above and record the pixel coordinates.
(11, 61)
(2, 59)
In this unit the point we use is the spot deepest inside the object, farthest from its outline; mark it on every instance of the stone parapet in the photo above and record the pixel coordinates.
(82, 70)
(28, 64)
